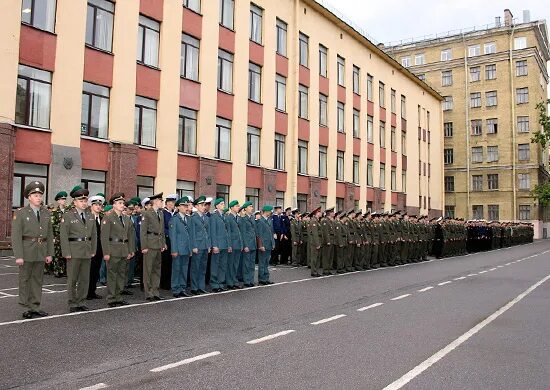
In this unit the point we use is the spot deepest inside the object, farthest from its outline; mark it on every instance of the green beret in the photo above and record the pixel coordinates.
(61, 194)
(102, 195)
(199, 200)
(246, 204)
(184, 200)
(233, 203)
(108, 208)
(218, 201)
(136, 200)
(267, 208)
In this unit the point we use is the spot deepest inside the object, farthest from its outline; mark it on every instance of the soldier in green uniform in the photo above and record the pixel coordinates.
(371, 226)
(328, 241)
(295, 234)
(32, 243)
(304, 237)
(315, 242)
(342, 238)
(59, 265)
(118, 243)
(352, 241)
(78, 246)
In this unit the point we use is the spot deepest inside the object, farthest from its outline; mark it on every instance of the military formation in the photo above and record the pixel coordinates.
(184, 245)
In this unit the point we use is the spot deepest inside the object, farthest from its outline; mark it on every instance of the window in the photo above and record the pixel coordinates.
(339, 204)
(99, 24)
(492, 181)
(448, 156)
(280, 91)
(477, 211)
(370, 175)
(522, 95)
(323, 59)
(404, 143)
(524, 152)
(524, 212)
(449, 183)
(381, 94)
(404, 181)
(304, 50)
(393, 102)
(339, 165)
(222, 191)
(253, 195)
(193, 5)
(94, 119)
(370, 129)
(393, 143)
(189, 63)
(446, 78)
(356, 79)
(253, 146)
(447, 103)
(490, 72)
(356, 124)
(473, 51)
(403, 106)
(303, 102)
(145, 186)
(370, 87)
(301, 200)
(490, 48)
(254, 82)
(382, 135)
(448, 129)
(493, 211)
(524, 181)
(475, 73)
(145, 121)
(520, 43)
(32, 104)
(24, 174)
(280, 151)
(322, 161)
(356, 169)
(476, 125)
(281, 37)
(93, 181)
(223, 139)
(419, 59)
(256, 14)
(449, 211)
(521, 68)
(323, 110)
(492, 126)
(382, 180)
(406, 61)
(475, 99)
(393, 179)
(477, 183)
(523, 124)
(340, 117)
(492, 153)
(491, 98)
(225, 71)
(227, 10)
(302, 157)
(341, 71)
(477, 154)
(39, 14)
(446, 55)
(148, 41)
(187, 131)
(279, 198)
(185, 188)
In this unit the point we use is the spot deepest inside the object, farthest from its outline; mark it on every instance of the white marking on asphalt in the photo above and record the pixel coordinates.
(400, 297)
(444, 283)
(10, 273)
(5, 295)
(270, 337)
(460, 278)
(95, 387)
(370, 306)
(472, 275)
(508, 263)
(399, 383)
(493, 269)
(328, 319)
(482, 272)
(425, 289)
(500, 266)
(186, 361)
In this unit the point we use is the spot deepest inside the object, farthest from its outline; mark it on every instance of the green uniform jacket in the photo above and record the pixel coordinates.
(326, 231)
(315, 237)
(152, 230)
(117, 240)
(25, 225)
(72, 227)
(304, 231)
(295, 230)
(342, 233)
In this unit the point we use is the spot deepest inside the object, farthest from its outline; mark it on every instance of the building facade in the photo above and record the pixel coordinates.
(274, 102)
(491, 79)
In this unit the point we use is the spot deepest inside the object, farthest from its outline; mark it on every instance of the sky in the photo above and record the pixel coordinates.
(393, 20)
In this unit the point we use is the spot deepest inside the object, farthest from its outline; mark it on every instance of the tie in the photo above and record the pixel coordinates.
(158, 214)
(121, 220)
(38, 215)
(83, 219)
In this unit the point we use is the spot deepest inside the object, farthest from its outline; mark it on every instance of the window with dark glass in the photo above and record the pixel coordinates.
(382, 135)
(93, 181)
(339, 165)
(145, 121)
(304, 49)
(39, 14)
(303, 110)
(145, 186)
(99, 24)
(356, 169)
(95, 111)
(32, 102)
(280, 91)
(253, 145)
(322, 161)
(302, 157)
(225, 71)
(148, 41)
(187, 131)
(449, 183)
(382, 94)
(323, 59)
(382, 179)
(189, 63)
(369, 173)
(279, 151)
(340, 125)
(24, 174)
(356, 80)
(222, 191)
(185, 188)
(356, 123)
(254, 82)
(281, 37)
(223, 139)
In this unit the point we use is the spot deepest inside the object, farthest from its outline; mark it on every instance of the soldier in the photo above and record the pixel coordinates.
(78, 246)
(295, 233)
(59, 264)
(265, 234)
(315, 242)
(153, 243)
(96, 204)
(219, 240)
(328, 241)
(304, 236)
(361, 237)
(118, 242)
(180, 249)
(136, 263)
(234, 251)
(166, 258)
(200, 246)
(277, 222)
(342, 240)
(286, 236)
(32, 243)
(247, 227)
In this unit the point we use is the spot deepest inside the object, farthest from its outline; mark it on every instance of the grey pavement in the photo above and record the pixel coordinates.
(361, 330)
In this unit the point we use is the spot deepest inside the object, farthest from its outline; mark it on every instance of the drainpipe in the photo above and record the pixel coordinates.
(513, 122)
(467, 127)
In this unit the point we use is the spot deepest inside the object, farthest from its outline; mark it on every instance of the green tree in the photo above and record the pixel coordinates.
(542, 137)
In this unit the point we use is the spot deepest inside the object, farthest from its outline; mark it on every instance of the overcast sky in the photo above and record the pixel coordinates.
(391, 20)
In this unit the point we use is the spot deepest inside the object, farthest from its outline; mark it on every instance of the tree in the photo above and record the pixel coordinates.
(542, 137)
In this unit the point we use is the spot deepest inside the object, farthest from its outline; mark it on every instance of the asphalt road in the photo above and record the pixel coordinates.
(470, 322)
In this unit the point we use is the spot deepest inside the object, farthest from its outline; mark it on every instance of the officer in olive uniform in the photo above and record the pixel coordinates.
(78, 246)
(118, 243)
(153, 243)
(315, 242)
(59, 265)
(304, 237)
(327, 251)
(295, 234)
(342, 238)
(32, 243)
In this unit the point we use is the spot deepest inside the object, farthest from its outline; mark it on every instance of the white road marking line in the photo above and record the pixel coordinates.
(500, 266)
(400, 297)
(186, 361)
(10, 273)
(444, 283)
(370, 306)
(493, 269)
(95, 387)
(270, 337)
(425, 289)
(328, 319)
(6, 295)
(460, 278)
(472, 275)
(482, 272)
(399, 383)
(508, 263)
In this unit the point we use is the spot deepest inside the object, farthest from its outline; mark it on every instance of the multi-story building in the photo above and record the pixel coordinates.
(491, 79)
(272, 101)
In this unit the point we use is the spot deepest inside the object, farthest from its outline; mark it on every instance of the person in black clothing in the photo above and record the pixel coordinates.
(96, 206)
